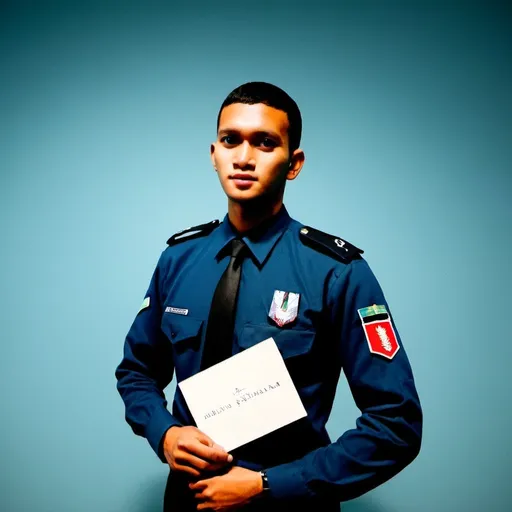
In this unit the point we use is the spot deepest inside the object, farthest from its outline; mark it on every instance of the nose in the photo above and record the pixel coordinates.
(243, 156)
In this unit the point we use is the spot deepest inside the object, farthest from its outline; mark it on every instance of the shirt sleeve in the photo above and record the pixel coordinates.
(387, 435)
(146, 369)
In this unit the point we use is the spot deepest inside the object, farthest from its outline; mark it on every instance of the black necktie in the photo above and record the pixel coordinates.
(221, 320)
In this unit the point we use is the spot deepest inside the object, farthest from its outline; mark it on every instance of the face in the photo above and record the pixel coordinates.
(251, 154)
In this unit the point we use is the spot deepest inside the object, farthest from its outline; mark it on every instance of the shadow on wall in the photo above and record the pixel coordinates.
(363, 504)
(149, 498)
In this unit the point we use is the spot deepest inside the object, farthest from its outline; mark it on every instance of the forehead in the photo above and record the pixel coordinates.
(257, 117)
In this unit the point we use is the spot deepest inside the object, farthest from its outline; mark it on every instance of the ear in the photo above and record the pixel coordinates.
(212, 156)
(296, 162)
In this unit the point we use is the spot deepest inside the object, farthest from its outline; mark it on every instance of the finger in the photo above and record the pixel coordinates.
(186, 469)
(192, 447)
(199, 485)
(187, 459)
(215, 466)
(200, 496)
(210, 454)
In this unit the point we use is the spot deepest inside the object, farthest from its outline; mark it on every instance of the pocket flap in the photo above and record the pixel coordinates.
(179, 328)
(291, 343)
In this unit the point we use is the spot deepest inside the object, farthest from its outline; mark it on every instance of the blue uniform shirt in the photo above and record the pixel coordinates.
(327, 336)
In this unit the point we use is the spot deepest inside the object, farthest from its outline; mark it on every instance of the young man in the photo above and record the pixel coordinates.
(311, 292)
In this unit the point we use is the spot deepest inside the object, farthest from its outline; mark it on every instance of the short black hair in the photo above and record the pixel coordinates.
(251, 93)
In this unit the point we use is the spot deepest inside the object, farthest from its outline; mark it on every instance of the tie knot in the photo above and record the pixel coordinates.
(237, 247)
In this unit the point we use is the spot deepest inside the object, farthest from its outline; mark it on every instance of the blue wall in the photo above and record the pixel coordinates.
(106, 115)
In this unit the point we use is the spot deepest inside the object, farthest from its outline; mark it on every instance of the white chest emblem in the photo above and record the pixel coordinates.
(284, 307)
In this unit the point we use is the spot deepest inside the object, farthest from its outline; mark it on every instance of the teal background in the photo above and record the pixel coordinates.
(107, 110)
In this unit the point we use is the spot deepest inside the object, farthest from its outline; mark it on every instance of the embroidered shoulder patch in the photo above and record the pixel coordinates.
(145, 304)
(379, 332)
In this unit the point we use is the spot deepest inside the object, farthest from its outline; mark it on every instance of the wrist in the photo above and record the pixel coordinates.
(168, 437)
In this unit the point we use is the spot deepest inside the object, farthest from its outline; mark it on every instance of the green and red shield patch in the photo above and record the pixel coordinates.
(379, 331)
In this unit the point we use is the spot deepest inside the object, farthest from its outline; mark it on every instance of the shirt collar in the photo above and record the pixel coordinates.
(260, 240)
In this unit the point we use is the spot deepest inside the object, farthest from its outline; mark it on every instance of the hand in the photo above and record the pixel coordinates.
(189, 450)
(228, 491)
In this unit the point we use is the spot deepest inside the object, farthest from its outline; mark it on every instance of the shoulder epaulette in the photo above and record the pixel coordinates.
(194, 232)
(329, 243)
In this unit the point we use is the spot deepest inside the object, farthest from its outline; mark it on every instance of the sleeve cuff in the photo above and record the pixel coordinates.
(286, 481)
(161, 421)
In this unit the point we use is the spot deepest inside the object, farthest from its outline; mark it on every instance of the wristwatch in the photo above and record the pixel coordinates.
(264, 480)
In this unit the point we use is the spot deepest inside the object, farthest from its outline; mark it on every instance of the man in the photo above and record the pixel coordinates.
(311, 292)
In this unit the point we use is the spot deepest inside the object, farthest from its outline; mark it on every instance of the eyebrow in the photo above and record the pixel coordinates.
(267, 133)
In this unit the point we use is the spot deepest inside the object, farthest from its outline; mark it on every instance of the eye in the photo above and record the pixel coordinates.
(228, 140)
(268, 143)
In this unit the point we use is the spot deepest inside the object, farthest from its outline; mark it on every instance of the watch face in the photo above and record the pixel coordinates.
(264, 480)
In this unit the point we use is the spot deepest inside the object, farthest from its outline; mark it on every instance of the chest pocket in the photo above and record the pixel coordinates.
(291, 342)
(184, 332)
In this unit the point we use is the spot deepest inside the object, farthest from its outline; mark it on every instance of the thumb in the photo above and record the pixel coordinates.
(204, 439)
(218, 447)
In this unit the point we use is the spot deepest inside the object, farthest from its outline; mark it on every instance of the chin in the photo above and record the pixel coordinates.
(241, 196)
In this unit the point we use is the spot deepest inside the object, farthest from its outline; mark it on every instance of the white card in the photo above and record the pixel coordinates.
(244, 397)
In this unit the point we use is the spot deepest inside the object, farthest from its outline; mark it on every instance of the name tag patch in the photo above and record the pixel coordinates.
(176, 311)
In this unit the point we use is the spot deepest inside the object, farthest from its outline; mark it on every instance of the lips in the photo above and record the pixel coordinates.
(243, 181)
(243, 177)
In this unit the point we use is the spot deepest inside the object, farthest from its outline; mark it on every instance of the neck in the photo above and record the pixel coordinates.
(246, 216)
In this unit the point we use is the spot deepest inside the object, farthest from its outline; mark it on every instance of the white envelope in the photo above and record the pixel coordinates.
(244, 397)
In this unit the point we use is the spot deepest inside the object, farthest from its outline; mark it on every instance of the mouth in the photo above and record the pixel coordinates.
(243, 181)
(243, 177)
